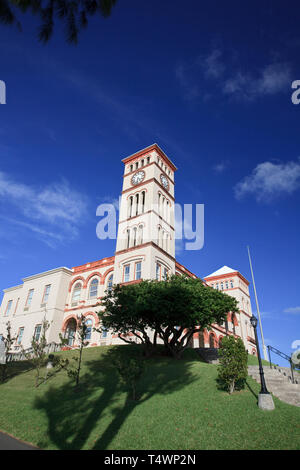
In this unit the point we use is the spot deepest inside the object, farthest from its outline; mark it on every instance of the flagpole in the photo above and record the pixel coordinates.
(257, 307)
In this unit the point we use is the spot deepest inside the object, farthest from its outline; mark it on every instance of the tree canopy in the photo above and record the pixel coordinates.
(173, 309)
(72, 13)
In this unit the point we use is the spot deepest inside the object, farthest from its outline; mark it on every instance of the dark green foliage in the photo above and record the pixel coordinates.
(174, 309)
(8, 342)
(73, 13)
(233, 369)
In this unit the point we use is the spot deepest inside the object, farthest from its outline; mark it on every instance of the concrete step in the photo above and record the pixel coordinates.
(278, 384)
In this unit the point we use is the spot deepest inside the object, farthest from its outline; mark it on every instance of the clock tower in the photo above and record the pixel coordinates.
(146, 235)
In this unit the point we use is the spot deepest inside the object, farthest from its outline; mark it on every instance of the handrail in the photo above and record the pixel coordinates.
(284, 356)
(21, 355)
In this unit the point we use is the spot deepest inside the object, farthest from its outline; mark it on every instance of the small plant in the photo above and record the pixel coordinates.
(38, 356)
(130, 370)
(74, 372)
(8, 341)
(233, 371)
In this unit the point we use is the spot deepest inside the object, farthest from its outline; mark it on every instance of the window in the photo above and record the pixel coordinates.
(130, 206)
(134, 236)
(37, 332)
(143, 201)
(226, 284)
(222, 287)
(231, 284)
(131, 167)
(148, 160)
(137, 165)
(20, 335)
(142, 162)
(128, 238)
(110, 282)
(217, 286)
(104, 332)
(8, 308)
(46, 293)
(126, 273)
(88, 331)
(141, 228)
(166, 273)
(17, 303)
(76, 293)
(158, 267)
(29, 298)
(138, 271)
(93, 288)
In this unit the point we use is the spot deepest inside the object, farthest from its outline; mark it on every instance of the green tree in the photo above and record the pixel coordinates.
(8, 341)
(172, 310)
(233, 369)
(72, 13)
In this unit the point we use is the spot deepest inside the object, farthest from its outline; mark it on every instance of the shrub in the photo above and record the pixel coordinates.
(233, 370)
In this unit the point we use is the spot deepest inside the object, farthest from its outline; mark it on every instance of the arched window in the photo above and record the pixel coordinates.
(201, 340)
(128, 238)
(212, 342)
(88, 331)
(110, 282)
(130, 206)
(143, 201)
(137, 204)
(141, 229)
(70, 331)
(134, 236)
(93, 292)
(233, 319)
(76, 293)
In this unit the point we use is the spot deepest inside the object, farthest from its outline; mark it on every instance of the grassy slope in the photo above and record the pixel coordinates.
(180, 408)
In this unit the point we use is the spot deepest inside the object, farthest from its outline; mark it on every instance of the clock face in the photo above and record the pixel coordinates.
(164, 181)
(138, 177)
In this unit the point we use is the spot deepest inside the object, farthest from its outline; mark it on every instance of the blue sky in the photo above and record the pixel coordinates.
(211, 84)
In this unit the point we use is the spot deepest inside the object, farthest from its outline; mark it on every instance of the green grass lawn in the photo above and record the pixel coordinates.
(180, 407)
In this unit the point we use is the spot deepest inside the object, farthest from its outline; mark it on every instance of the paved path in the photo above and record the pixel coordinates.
(10, 443)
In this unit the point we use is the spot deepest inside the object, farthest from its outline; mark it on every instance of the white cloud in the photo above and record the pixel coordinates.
(41, 210)
(220, 167)
(272, 79)
(294, 310)
(270, 180)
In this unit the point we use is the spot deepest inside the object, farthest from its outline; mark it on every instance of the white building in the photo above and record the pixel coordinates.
(145, 249)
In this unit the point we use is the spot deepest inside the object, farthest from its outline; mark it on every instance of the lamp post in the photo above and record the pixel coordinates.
(265, 400)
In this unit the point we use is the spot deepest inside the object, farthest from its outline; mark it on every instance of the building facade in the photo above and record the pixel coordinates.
(145, 249)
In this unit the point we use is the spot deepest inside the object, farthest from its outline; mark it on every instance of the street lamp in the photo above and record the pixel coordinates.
(265, 400)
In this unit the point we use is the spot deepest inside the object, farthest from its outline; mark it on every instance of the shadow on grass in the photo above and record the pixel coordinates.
(16, 368)
(251, 390)
(73, 414)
